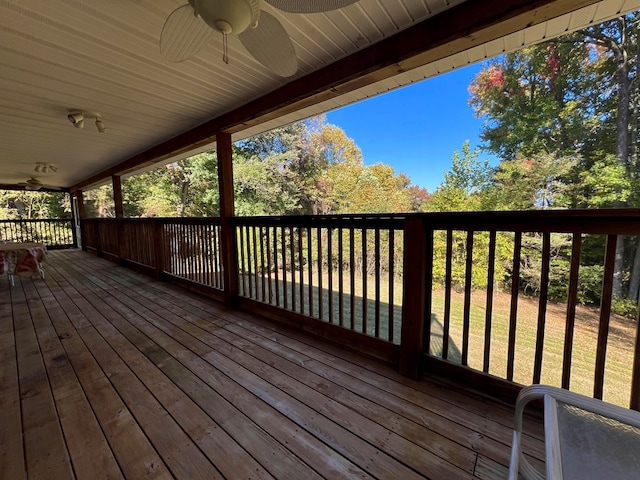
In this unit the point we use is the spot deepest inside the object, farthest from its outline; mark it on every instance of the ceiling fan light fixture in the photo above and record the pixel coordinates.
(228, 17)
(45, 168)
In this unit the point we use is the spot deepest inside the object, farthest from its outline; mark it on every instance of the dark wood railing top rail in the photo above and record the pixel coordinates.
(361, 221)
(37, 220)
(173, 220)
(602, 221)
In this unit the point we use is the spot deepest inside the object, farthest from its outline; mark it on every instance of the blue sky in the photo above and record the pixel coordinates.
(415, 129)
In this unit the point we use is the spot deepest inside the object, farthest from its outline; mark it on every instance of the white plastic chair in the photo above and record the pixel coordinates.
(585, 438)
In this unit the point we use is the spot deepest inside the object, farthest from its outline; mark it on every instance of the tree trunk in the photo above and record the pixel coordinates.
(622, 134)
(634, 282)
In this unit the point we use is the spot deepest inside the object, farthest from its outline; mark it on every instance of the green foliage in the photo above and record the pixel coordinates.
(536, 99)
(479, 272)
(590, 284)
(308, 167)
(466, 185)
(468, 173)
(98, 202)
(605, 184)
(625, 307)
(16, 204)
(540, 181)
(264, 187)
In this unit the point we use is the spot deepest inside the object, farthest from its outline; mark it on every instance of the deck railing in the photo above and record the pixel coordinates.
(183, 248)
(54, 233)
(466, 294)
(343, 271)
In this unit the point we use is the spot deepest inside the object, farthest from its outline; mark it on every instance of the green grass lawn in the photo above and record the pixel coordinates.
(621, 339)
(619, 360)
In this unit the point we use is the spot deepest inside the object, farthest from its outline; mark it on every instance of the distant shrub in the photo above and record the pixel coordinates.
(624, 307)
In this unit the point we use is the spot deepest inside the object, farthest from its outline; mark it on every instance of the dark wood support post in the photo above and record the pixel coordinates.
(416, 301)
(117, 195)
(116, 181)
(74, 219)
(81, 216)
(227, 211)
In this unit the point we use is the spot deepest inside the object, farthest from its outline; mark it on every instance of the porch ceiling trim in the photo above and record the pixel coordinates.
(455, 30)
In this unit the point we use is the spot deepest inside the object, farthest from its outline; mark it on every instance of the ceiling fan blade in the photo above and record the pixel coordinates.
(269, 43)
(183, 35)
(309, 6)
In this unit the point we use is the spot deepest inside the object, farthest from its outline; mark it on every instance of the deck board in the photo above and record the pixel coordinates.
(109, 374)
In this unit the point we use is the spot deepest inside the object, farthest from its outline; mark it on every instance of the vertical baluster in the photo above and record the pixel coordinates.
(301, 263)
(191, 257)
(634, 403)
(285, 288)
(489, 303)
(219, 264)
(572, 301)
(269, 253)
(542, 306)
(276, 264)
(180, 251)
(391, 274)
(310, 269)
(446, 323)
(263, 286)
(243, 267)
(513, 314)
(213, 254)
(320, 292)
(199, 252)
(340, 278)
(605, 313)
(292, 244)
(197, 230)
(330, 271)
(352, 276)
(254, 246)
(250, 252)
(377, 281)
(466, 317)
(365, 313)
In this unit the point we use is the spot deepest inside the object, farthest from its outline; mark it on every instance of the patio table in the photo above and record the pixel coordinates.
(22, 259)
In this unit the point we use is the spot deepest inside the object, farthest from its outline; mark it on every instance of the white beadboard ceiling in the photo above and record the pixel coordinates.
(102, 57)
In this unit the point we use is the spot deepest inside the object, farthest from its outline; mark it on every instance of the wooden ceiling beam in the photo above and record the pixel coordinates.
(455, 30)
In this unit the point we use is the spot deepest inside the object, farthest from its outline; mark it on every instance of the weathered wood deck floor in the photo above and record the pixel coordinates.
(105, 373)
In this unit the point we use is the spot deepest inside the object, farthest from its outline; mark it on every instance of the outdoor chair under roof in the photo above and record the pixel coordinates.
(585, 438)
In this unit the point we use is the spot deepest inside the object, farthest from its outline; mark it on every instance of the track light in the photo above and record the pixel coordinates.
(100, 125)
(77, 119)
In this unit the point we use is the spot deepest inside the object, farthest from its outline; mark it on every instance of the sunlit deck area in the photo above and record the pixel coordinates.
(106, 373)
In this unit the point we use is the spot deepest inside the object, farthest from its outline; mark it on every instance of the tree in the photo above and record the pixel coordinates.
(537, 99)
(540, 181)
(33, 205)
(572, 96)
(466, 185)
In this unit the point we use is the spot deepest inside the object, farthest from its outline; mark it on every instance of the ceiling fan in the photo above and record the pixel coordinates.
(34, 184)
(190, 27)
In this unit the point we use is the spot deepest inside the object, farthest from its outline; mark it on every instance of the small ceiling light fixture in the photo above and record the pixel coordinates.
(101, 127)
(77, 119)
(45, 168)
